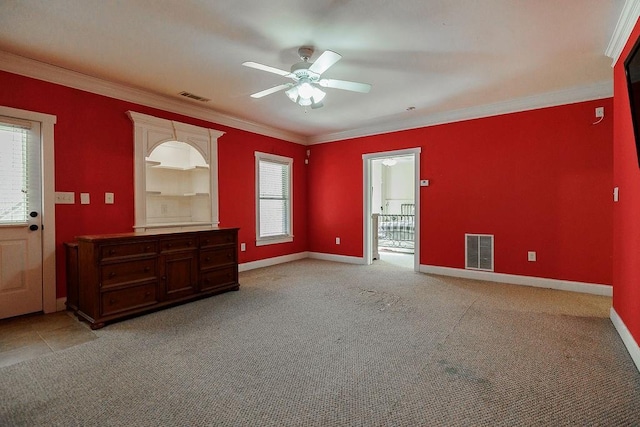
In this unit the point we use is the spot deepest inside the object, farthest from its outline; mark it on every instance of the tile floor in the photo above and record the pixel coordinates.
(27, 337)
(399, 259)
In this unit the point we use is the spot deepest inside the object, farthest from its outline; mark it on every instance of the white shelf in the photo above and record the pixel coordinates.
(161, 194)
(158, 165)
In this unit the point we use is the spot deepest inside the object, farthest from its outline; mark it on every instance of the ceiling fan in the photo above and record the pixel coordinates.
(305, 88)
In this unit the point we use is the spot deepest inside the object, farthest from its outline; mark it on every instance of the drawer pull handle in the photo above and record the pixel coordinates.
(229, 255)
(205, 242)
(112, 274)
(207, 259)
(146, 269)
(111, 252)
(189, 243)
(164, 277)
(169, 245)
(112, 301)
(146, 248)
(146, 294)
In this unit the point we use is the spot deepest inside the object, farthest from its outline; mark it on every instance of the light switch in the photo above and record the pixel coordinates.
(84, 198)
(108, 198)
(424, 183)
(65, 198)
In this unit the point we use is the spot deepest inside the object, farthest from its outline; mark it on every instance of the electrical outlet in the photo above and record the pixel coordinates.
(243, 247)
(599, 112)
(108, 198)
(84, 198)
(531, 256)
(337, 240)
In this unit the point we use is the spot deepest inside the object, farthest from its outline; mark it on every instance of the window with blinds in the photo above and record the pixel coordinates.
(14, 171)
(273, 204)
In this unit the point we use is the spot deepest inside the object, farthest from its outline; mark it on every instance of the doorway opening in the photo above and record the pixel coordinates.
(391, 208)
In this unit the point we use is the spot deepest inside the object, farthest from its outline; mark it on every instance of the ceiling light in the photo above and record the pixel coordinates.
(306, 94)
(305, 90)
(389, 162)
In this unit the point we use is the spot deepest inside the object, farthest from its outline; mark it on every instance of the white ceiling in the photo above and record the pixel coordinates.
(443, 57)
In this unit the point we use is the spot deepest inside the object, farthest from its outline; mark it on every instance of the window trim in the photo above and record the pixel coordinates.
(285, 238)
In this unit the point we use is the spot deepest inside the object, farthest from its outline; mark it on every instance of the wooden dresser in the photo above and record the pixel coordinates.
(120, 275)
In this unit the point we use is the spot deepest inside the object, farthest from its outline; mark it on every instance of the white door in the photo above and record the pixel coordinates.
(20, 217)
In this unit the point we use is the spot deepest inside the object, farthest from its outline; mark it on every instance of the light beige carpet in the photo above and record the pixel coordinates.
(315, 343)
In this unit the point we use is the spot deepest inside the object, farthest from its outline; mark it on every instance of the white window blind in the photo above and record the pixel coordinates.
(14, 176)
(274, 198)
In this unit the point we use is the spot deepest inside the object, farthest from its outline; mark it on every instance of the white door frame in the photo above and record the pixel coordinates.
(49, 303)
(367, 237)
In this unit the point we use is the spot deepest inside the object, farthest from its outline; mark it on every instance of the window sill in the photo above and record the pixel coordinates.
(273, 240)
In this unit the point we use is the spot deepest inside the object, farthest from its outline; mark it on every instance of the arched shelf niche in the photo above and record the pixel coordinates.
(176, 174)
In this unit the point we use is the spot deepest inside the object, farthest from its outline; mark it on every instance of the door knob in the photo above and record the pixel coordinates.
(33, 214)
(33, 227)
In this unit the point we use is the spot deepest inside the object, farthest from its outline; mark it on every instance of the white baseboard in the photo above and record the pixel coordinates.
(627, 338)
(61, 304)
(539, 282)
(272, 261)
(336, 258)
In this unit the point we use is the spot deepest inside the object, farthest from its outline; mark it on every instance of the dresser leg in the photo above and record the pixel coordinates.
(95, 326)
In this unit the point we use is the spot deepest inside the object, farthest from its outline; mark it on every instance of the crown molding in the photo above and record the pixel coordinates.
(50, 73)
(549, 99)
(42, 71)
(624, 26)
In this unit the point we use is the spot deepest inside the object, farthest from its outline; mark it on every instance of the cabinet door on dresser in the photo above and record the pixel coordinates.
(218, 260)
(179, 267)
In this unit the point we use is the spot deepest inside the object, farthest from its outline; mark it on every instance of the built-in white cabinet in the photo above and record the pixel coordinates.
(176, 174)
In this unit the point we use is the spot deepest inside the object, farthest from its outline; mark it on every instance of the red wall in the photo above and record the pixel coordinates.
(626, 224)
(94, 154)
(539, 181)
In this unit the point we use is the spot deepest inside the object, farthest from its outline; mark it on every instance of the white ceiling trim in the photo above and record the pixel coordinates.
(624, 26)
(50, 73)
(53, 74)
(550, 99)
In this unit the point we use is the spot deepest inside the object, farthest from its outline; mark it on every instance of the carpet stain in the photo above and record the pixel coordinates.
(382, 301)
(464, 374)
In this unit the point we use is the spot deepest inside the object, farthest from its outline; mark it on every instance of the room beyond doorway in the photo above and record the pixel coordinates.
(391, 180)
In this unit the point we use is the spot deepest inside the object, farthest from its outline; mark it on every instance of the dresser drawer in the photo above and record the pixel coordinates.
(217, 238)
(218, 278)
(186, 243)
(127, 272)
(127, 249)
(217, 257)
(117, 301)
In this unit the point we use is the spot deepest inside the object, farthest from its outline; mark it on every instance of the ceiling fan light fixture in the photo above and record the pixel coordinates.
(305, 102)
(293, 94)
(318, 95)
(305, 90)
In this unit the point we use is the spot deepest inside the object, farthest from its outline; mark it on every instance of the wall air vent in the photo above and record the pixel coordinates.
(192, 96)
(479, 251)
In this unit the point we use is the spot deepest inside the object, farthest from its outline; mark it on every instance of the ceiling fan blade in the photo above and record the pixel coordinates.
(266, 68)
(345, 85)
(326, 60)
(272, 90)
